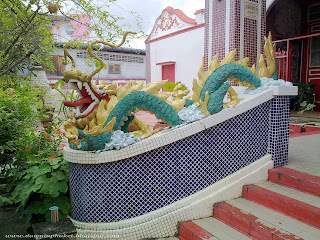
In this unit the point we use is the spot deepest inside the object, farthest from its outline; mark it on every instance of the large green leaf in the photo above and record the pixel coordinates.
(36, 171)
(36, 206)
(51, 186)
(26, 193)
(60, 175)
(5, 200)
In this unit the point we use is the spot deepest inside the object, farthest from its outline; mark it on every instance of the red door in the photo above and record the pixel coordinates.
(313, 59)
(168, 72)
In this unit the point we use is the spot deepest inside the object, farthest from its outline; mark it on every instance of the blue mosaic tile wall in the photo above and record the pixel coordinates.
(141, 184)
(279, 130)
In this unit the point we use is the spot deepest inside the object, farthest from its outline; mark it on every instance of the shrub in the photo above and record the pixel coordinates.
(38, 185)
(37, 176)
(17, 117)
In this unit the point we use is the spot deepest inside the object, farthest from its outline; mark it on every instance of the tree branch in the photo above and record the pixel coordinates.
(22, 33)
(16, 63)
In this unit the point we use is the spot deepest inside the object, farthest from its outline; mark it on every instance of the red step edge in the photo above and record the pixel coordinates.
(292, 135)
(295, 179)
(249, 224)
(190, 231)
(296, 209)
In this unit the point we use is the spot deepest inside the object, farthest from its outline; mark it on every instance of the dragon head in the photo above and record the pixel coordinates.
(80, 81)
(90, 97)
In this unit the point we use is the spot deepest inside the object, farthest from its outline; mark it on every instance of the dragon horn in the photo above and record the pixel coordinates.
(99, 59)
(66, 54)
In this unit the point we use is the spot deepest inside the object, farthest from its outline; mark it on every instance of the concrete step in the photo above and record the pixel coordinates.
(260, 222)
(297, 204)
(189, 230)
(299, 180)
(219, 230)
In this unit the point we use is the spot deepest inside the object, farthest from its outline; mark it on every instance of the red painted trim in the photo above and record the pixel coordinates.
(296, 128)
(304, 134)
(166, 63)
(311, 129)
(169, 72)
(174, 33)
(180, 14)
(286, 205)
(295, 38)
(189, 230)
(295, 179)
(249, 224)
(287, 62)
(199, 11)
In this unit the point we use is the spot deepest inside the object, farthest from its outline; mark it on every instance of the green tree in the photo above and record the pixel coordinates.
(26, 38)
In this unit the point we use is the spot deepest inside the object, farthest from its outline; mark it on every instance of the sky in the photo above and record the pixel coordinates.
(150, 10)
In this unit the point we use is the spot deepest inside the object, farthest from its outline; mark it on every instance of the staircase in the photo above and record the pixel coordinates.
(285, 207)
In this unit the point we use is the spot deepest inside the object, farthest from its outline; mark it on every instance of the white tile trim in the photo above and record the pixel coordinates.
(163, 222)
(285, 91)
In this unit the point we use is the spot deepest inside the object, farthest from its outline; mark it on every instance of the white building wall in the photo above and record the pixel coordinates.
(129, 70)
(186, 49)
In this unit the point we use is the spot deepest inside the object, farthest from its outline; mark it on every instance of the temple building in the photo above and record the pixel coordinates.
(178, 45)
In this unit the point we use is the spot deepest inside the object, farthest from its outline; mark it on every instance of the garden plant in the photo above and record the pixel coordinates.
(32, 167)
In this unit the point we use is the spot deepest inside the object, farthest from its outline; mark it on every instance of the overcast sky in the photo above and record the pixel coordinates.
(150, 10)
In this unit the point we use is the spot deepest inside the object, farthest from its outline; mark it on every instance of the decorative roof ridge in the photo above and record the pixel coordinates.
(177, 12)
(180, 14)
(199, 11)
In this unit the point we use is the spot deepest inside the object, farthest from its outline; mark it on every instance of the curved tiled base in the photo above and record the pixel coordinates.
(163, 222)
(144, 190)
(111, 192)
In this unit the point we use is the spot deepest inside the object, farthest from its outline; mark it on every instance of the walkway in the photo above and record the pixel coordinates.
(304, 154)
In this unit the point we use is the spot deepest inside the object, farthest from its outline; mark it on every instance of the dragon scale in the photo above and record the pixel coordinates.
(216, 86)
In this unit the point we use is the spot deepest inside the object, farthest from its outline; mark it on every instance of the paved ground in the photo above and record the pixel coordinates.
(304, 154)
(11, 224)
(308, 114)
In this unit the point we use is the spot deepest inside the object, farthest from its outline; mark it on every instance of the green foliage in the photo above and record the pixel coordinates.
(70, 97)
(169, 86)
(17, 117)
(25, 38)
(306, 106)
(35, 173)
(38, 185)
(306, 92)
(306, 96)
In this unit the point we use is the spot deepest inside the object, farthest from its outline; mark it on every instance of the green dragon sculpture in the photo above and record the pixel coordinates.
(103, 109)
